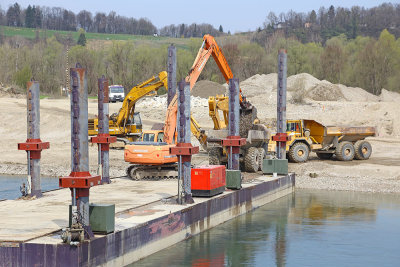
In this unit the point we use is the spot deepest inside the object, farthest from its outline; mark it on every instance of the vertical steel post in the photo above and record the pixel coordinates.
(79, 134)
(183, 128)
(281, 102)
(80, 180)
(233, 120)
(171, 69)
(33, 145)
(103, 116)
(34, 133)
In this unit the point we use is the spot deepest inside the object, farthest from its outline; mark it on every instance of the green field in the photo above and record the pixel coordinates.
(30, 33)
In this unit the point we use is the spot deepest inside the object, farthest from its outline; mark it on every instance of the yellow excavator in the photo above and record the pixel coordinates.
(127, 124)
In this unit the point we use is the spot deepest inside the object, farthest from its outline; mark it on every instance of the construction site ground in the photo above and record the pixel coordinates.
(327, 103)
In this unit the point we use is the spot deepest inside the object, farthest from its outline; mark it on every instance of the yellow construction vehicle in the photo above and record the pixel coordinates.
(346, 143)
(127, 124)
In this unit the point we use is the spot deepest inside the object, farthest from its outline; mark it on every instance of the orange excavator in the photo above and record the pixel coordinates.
(150, 157)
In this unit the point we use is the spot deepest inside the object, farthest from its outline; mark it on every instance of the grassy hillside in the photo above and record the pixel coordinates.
(30, 33)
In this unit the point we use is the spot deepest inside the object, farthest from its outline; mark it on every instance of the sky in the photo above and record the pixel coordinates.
(233, 15)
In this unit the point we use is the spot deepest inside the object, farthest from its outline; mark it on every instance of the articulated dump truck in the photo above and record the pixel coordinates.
(346, 143)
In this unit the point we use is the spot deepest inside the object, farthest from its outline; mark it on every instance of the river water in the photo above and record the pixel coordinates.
(9, 185)
(307, 228)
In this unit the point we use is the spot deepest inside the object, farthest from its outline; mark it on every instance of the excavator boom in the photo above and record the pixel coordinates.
(138, 92)
(207, 49)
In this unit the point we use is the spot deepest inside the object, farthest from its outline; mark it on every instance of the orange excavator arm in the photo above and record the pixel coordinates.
(208, 48)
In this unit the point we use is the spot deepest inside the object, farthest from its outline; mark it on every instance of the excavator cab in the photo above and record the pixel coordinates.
(153, 136)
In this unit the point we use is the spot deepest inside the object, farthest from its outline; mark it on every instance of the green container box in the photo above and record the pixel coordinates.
(102, 218)
(233, 179)
(279, 166)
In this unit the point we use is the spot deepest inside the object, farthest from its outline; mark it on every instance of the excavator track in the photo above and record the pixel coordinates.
(153, 173)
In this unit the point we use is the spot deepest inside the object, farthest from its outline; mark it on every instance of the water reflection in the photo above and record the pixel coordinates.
(308, 228)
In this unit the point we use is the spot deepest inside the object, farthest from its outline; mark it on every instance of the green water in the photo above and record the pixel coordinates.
(308, 228)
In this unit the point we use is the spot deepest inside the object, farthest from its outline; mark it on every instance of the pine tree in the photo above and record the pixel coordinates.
(221, 29)
(82, 39)
(29, 17)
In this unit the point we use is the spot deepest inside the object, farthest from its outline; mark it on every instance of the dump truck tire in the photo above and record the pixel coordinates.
(345, 151)
(299, 153)
(214, 156)
(362, 150)
(251, 162)
(261, 156)
(324, 155)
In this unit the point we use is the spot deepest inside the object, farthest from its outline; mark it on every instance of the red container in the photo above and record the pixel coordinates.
(208, 181)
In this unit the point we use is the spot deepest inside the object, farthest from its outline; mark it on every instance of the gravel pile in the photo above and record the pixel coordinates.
(205, 88)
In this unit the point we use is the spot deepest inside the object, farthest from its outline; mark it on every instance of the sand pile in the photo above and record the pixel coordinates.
(324, 91)
(10, 92)
(388, 96)
(310, 88)
(205, 88)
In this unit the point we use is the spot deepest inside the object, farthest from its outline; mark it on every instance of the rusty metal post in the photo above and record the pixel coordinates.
(281, 136)
(80, 180)
(233, 142)
(171, 69)
(103, 139)
(233, 158)
(33, 144)
(184, 149)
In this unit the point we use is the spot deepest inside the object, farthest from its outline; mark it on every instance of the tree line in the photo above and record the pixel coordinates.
(366, 62)
(56, 18)
(321, 25)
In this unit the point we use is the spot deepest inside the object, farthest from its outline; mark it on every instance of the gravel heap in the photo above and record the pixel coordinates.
(205, 88)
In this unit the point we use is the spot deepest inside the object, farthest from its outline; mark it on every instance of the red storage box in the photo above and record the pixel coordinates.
(208, 181)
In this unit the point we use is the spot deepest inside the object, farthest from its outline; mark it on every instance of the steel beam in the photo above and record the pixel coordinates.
(183, 130)
(171, 69)
(33, 145)
(103, 116)
(281, 103)
(80, 180)
(233, 156)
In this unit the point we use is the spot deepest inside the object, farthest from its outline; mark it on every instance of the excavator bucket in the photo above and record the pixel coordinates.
(247, 118)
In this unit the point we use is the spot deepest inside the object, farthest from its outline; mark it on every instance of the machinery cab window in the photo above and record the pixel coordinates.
(148, 137)
(160, 137)
(293, 127)
(136, 118)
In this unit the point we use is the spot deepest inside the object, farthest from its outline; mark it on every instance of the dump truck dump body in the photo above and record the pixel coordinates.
(325, 135)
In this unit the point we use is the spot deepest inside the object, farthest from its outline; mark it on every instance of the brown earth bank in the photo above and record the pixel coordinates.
(308, 97)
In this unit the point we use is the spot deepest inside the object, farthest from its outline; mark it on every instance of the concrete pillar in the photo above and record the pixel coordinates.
(103, 124)
(33, 134)
(281, 102)
(171, 69)
(233, 158)
(183, 130)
